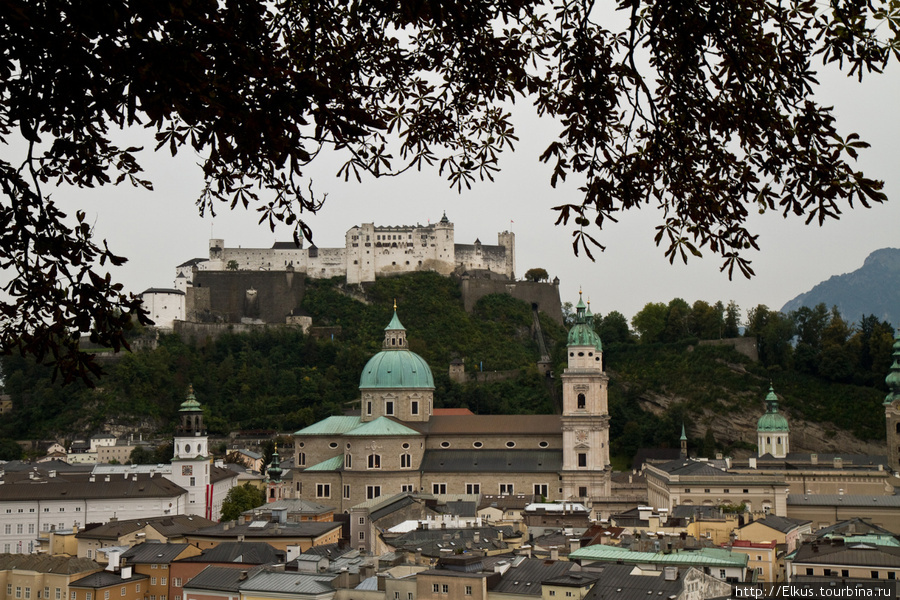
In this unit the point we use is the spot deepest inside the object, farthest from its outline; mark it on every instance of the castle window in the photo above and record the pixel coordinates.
(374, 461)
(581, 402)
(389, 408)
(405, 461)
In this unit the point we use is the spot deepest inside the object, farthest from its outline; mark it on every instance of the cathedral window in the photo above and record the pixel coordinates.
(374, 461)
(582, 459)
(368, 408)
(389, 408)
(405, 461)
(582, 402)
(414, 407)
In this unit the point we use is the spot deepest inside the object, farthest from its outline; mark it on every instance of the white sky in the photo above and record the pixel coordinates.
(158, 230)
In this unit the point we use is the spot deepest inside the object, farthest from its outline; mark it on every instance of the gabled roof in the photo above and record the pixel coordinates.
(169, 526)
(248, 553)
(222, 579)
(782, 524)
(103, 579)
(288, 583)
(43, 563)
(331, 426)
(494, 424)
(525, 577)
(621, 582)
(153, 553)
(476, 461)
(382, 426)
(332, 464)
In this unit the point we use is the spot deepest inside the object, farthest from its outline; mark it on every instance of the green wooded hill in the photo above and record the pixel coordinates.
(283, 380)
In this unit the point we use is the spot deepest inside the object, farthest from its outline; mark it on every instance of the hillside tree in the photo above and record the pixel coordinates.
(704, 110)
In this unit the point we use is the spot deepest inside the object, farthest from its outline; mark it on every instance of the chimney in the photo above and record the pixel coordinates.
(838, 462)
(243, 576)
(814, 458)
(671, 573)
(554, 553)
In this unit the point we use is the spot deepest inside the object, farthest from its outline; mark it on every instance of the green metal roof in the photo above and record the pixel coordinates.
(382, 426)
(871, 539)
(582, 332)
(705, 557)
(393, 369)
(772, 421)
(330, 426)
(190, 404)
(332, 464)
(395, 323)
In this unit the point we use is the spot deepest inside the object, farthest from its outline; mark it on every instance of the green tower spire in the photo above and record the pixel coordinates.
(893, 378)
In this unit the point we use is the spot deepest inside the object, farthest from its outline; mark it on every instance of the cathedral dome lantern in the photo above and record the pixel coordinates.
(396, 382)
(893, 378)
(190, 416)
(772, 429)
(584, 346)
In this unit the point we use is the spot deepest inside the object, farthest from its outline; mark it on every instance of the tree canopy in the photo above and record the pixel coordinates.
(704, 109)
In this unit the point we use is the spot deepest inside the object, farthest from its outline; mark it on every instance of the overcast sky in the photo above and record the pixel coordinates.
(160, 229)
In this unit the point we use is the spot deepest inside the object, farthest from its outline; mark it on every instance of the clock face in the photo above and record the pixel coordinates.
(581, 436)
(187, 470)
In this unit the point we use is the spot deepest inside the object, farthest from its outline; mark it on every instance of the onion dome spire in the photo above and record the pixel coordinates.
(274, 471)
(893, 378)
(772, 420)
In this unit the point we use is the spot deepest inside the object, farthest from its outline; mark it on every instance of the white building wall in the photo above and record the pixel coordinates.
(164, 306)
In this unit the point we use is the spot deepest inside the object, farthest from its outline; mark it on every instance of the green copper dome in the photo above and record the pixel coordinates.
(395, 366)
(582, 332)
(190, 404)
(772, 421)
(396, 369)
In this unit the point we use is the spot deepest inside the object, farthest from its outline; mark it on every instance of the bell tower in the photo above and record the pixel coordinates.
(585, 417)
(192, 460)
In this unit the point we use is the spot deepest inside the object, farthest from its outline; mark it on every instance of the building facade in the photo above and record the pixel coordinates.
(399, 445)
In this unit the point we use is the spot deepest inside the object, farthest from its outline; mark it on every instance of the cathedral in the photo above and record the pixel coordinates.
(401, 443)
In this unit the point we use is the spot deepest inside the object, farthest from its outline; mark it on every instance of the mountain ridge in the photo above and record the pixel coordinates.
(874, 288)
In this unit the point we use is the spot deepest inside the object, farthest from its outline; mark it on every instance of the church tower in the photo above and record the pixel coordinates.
(892, 409)
(772, 430)
(585, 417)
(190, 465)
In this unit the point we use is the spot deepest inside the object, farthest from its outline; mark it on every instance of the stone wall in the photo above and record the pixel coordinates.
(230, 296)
(544, 295)
(201, 333)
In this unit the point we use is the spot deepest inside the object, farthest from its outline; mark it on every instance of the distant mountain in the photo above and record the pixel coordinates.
(872, 289)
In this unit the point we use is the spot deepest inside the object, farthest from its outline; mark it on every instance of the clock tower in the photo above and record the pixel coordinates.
(192, 460)
(585, 417)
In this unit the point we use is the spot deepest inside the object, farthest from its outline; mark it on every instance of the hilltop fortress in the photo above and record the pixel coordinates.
(371, 251)
(266, 285)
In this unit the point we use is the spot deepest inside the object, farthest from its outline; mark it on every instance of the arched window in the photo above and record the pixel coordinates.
(405, 461)
(374, 461)
(581, 401)
(301, 459)
(348, 461)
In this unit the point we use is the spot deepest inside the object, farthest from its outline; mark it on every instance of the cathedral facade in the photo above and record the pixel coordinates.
(401, 443)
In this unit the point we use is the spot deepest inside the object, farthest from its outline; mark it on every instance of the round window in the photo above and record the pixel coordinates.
(301, 444)
(348, 445)
(332, 445)
(187, 448)
(543, 444)
(405, 445)
(510, 444)
(477, 444)
(581, 354)
(445, 444)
